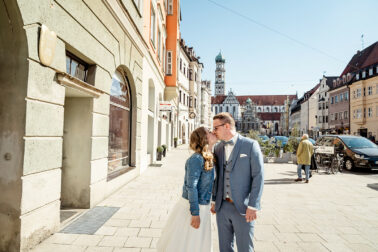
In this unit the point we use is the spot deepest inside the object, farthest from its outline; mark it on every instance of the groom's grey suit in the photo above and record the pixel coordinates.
(245, 179)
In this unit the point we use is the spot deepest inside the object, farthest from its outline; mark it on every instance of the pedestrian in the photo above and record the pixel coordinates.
(304, 154)
(188, 227)
(238, 186)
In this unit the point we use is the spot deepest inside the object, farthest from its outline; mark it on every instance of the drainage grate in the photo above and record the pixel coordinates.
(91, 221)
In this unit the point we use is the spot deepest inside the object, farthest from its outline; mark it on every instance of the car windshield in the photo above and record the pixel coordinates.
(359, 143)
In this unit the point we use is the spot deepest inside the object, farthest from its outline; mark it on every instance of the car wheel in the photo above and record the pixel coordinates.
(348, 165)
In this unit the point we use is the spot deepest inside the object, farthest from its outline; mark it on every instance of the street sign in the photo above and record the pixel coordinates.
(165, 106)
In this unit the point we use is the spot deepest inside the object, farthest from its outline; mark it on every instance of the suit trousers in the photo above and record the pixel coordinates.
(230, 222)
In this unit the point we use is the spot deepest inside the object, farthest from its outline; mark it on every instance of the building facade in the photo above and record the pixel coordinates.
(339, 106)
(323, 103)
(83, 84)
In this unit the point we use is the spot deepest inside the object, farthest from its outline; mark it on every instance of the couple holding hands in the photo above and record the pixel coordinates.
(227, 182)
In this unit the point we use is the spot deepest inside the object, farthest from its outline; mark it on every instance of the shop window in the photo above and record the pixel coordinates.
(76, 67)
(119, 126)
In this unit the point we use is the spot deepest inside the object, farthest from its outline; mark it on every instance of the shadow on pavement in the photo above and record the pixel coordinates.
(280, 181)
(373, 186)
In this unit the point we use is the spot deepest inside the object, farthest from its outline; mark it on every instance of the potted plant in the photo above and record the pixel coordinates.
(159, 153)
(175, 141)
(165, 149)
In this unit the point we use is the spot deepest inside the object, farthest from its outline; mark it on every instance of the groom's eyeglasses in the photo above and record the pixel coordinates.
(216, 127)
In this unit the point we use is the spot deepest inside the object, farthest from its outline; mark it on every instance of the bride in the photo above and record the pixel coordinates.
(188, 227)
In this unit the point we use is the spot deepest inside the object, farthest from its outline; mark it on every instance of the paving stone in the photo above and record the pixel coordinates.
(358, 247)
(288, 246)
(126, 250)
(60, 238)
(337, 246)
(125, 232)
(138, 242)
(149, 232)
(310, 237)
(99, 249)
(110, 241)
(288, 237)
(117, 223)
(313, 246)
(88, 240)
(265, 246)
(352, 238)
(49, 247)
(140, 223)
(106, 231)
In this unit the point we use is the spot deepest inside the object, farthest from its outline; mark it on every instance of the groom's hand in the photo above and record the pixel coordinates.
(250, 215)
(195, 223)
(212, 209)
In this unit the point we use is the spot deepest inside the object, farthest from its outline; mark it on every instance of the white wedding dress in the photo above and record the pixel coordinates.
(179, 236)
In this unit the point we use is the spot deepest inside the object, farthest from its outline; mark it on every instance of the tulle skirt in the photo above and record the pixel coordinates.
(179, 236)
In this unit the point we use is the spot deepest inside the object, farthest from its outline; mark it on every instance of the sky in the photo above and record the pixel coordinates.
(277, 46)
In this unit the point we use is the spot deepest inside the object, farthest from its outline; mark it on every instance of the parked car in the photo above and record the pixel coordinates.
(358, 151)
(264, 138)
(282, 139)
(310, 139)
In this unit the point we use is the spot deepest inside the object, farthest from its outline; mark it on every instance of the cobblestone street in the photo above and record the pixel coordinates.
(331, 213)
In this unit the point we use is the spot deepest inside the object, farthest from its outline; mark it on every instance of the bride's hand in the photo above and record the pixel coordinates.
(195, 223)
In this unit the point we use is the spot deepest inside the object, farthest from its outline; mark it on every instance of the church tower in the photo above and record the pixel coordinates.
(220, 85)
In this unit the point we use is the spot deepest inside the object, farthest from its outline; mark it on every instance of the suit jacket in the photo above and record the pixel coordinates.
(247, 174)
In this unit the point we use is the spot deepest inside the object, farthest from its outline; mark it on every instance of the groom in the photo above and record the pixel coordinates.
(238, 185)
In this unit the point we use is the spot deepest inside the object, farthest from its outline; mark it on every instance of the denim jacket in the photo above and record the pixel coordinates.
(198, 183)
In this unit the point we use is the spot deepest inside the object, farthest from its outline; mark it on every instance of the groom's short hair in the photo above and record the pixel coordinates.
(225, 117)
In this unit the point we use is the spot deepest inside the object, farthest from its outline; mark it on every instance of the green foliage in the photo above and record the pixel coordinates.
(295, 131)
(160, 149)
(268, 149)
(292, 145)
(164, 146)
(175, 139)
(277, 152)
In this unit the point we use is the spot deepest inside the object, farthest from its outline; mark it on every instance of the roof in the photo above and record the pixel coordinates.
(220, 58)
(266, 116)
(329, 80)
(362, 59)
(259, 100)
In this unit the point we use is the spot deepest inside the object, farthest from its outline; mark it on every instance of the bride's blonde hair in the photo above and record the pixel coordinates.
(199, 143)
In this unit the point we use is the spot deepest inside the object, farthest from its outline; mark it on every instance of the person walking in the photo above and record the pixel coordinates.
(304, 154)
(238, 185)
(188, 227)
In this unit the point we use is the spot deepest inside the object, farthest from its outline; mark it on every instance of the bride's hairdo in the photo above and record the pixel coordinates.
(199, 143)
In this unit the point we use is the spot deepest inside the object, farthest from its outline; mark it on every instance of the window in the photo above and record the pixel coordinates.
(336, 99)
(340, 115)
(346, 96)
(332, 100)
(370, 90)
(357, 76)
(190, 74)
(370, 71)
(184, 99)
(170, 7)
(364, 91)
(164, 58)
(180, 64)
(180, 96)
(345, 114)
(159, 45)
(358, 113)
(227, 109)
(153, 24)
(216, 110)
(76, 67)
(119, 126)
(320, 106)
(363, 74)
(169, 62)
(221, 109)
(364, 112)
(326, 105)
(336, 116)
(326, 119)
(341, 97)
(358, 94)
(370, 112)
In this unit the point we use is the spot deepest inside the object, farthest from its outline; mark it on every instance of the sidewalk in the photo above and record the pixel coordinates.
(331, 213)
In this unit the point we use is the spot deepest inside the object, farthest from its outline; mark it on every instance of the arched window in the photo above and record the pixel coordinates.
(221, 109)
(119, 125)
(227, 109)
(216, 110)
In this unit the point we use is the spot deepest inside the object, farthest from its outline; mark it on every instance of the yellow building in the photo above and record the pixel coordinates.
(364, 92)
(364, 106)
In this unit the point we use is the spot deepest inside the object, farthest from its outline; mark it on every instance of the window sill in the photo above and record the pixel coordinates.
(77, 88)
